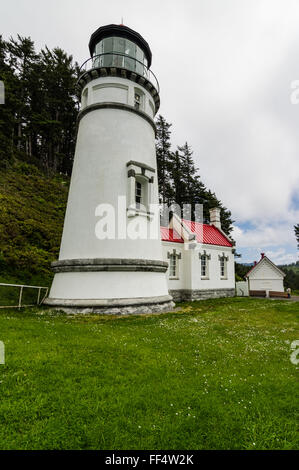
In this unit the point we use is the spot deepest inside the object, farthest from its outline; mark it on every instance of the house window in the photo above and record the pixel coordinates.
(173, 266)
(203, 266)
(138, 194)
(137, 102)
(223, 266)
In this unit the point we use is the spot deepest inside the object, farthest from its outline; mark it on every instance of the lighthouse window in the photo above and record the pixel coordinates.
(119, 45)
(112, 46)
(138, 195)
(130, 50)
(139, 57)
(137, 102)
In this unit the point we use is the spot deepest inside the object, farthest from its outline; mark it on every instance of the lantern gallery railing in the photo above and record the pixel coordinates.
(119, 61)
(33, 299)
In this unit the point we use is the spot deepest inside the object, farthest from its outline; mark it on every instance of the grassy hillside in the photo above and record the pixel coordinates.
(32, 210)
(215, 375)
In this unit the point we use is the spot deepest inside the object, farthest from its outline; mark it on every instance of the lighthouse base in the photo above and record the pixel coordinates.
(136, 306)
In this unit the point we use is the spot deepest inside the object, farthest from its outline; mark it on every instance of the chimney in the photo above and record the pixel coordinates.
(262, 255)
(215, 217)
(254, 263)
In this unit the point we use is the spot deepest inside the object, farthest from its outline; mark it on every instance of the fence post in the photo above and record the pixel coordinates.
(2, 353)
(20, 296)
(2, 92)
(38, 297)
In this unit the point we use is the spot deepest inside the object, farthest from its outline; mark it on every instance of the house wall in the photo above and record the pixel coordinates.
(266, 284)
(190, 285)
(265, 277)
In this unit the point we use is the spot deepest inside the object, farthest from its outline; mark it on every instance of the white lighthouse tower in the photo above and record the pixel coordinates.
(111, 255)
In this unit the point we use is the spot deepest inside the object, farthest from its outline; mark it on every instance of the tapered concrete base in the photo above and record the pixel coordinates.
(113, 306)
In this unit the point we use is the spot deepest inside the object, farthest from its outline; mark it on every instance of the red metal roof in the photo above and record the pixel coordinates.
(207, 234)
(170, 235)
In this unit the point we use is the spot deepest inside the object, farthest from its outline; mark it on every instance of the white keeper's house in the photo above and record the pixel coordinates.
(200, 257)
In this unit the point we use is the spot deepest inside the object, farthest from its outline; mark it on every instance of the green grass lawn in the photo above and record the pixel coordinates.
(215, 375)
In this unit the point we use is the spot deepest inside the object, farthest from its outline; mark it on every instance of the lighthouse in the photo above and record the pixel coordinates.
(110, 258)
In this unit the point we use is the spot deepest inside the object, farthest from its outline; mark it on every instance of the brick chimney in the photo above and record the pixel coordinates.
(262, 255)
(215, 217)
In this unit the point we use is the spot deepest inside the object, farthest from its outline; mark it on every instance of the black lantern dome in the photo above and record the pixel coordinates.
(120, 31)
(117, 50)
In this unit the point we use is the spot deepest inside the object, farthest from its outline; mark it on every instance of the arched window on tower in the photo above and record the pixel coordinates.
(139, 189)
(138, 99)
(138, 194)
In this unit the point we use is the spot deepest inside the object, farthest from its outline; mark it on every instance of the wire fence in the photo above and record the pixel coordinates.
(20, 295)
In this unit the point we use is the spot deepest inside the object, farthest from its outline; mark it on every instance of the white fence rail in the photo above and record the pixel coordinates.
(39, 300)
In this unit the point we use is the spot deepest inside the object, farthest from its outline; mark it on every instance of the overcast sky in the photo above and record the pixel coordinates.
(225, 69)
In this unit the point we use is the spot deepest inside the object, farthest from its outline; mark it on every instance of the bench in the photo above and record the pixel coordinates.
(274, 293)
(257, 293)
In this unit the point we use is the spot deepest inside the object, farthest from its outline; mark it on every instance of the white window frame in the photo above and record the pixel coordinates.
(174, 258)
(139, 194)
(203, 265)
(173, 267)
(223, 264)
(207, 258)
(139, 174)
(139, 98)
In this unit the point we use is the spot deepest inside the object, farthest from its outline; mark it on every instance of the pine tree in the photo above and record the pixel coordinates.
(180, 182)
(163, 153)
(59, 113)
(38, 121)
(22, 58)
(296, 229)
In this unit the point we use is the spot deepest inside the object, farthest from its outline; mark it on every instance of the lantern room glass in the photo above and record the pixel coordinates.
(120, 52)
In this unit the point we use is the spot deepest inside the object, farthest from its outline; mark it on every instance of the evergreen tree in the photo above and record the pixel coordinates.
(163, 153)
(180, 182)
(177, 180)
(296, 229)
(38, 121)
(22, 58)
(58, 118)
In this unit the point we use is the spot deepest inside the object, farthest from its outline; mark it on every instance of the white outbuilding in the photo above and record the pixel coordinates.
(265, 277)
